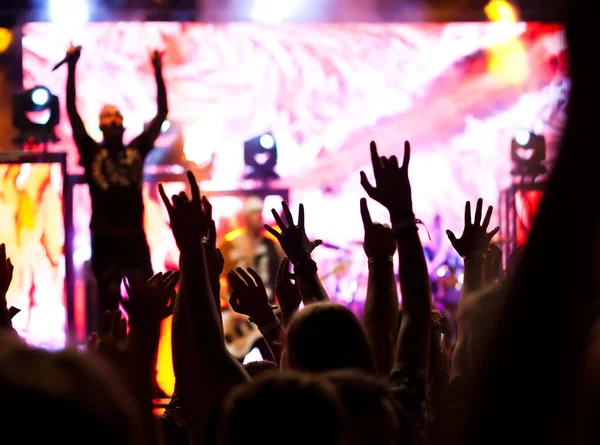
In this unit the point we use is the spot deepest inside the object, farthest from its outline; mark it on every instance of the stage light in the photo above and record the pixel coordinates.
(501, 11)
(522, 137)
(197, 148)
(273, 11)
(166, 125)
(267, 142)
(40, 96)
(68, 12)
(528, 153)
(35, 115)
(260, 156)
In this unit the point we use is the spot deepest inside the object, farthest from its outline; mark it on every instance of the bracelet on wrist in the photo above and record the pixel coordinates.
(305, 266)
(380, 259)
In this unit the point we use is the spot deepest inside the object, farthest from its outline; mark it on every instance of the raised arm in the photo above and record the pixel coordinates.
(393, 191)
(202, 382)
(381, 305)
(79, 132)
(153, 130)
(298, 248)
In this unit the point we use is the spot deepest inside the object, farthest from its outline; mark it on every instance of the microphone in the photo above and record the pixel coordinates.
(65, 60)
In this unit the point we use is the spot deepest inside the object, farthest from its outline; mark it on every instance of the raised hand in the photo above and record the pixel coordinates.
(151, 301)
(287, 292)
(379, 239)
(189, 221)
(249, 296)
(111, 341)
(475, 239)
(73, 54)
(392, 187)
(6, 275)
(293, 239)
(156, 59)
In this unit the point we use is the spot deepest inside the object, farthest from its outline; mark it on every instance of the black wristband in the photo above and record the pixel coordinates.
(305, 266)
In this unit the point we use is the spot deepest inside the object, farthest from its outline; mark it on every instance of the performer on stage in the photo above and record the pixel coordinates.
(114, 173)
(251, 247)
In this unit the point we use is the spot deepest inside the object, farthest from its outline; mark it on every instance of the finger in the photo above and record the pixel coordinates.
(212, 233)
(194, 186)
(9, 271)
(451, 236)
(487, 218)
(278, 219)
(235, 282)
(375, 162)
(367, 185)
(273, 232)
(316, 243)
(122, 334)
(155, 279)
(207, 207)
(478, 211)
(2, 254)
(257, 279)
(93, 340)
(163, 196)
(244, 275)
(234, 302)
(393, 162)
(468, 214)
(385, 163)
(288, 214)
(492, 234)
(406, 159)
(301, 216)
(365, 214)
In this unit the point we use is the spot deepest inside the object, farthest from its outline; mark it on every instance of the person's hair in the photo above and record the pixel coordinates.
(272, 410)
(374, 416)
(326, 336)
(254, 369)
(52, 397)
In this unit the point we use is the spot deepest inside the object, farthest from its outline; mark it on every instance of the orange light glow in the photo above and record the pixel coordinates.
(501, 11)
(5, 39)
(164, 366)
(507, 61)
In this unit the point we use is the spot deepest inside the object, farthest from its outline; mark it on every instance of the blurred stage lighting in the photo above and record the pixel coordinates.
(5, 39)
(501, 11)
(528, 153)
(273, 11)
(197, 148)
(260, 156)
(68, 12)
(35, 115)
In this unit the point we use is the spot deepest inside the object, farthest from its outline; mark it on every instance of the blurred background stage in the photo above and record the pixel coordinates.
(460, 85)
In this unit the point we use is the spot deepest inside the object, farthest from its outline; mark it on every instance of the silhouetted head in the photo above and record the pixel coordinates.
(374, 416)
(53, 397)
(326, 336)
(111, 122)
(273, 410)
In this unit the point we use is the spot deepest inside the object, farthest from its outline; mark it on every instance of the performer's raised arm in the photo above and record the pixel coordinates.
(79, 132)
(153, 130)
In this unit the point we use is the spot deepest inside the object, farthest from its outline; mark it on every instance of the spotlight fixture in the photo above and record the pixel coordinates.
(528, 153)
(260, 156)
(35, 115)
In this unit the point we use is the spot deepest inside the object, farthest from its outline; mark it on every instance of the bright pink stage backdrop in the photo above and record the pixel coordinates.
(325, 91)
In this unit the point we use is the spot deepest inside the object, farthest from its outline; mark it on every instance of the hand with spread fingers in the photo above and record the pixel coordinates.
(292, 238)
(152, 301)
(392, 186)
(249, 296)
(189, 221)
(379, 239)
(287, 292)
(111, 341)
(475, 239)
